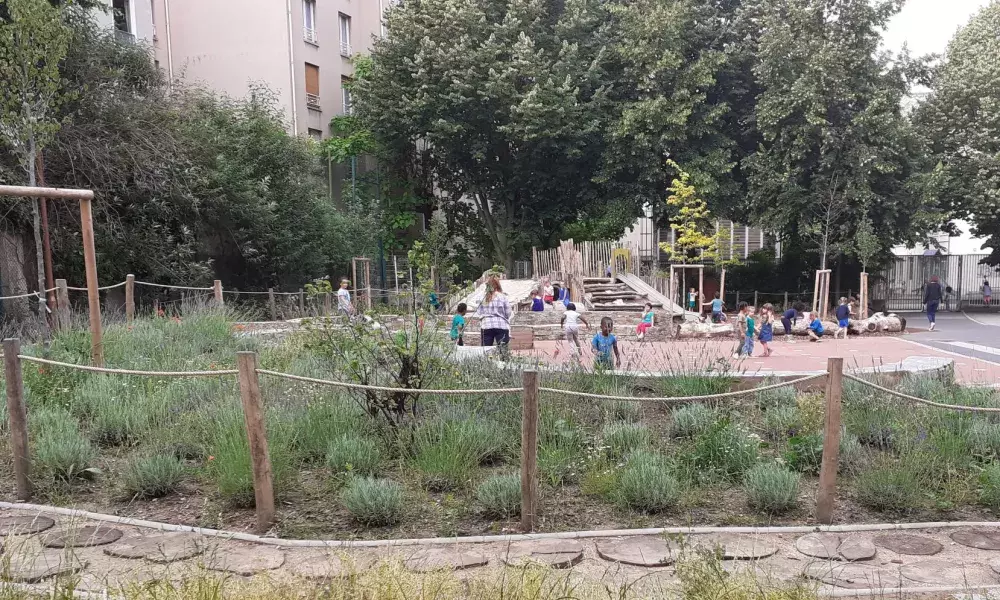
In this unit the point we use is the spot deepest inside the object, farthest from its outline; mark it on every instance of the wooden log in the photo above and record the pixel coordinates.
(93, 294)
(260, 460)
(129, 299)
(529, 452)
(17, 418)
(271, 304)
(831, 442)
(689, 330)
(63, 318)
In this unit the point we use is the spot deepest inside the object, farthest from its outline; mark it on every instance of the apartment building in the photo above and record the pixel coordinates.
(300, 49)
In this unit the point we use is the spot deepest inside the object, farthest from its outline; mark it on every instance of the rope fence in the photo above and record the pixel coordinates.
(958, 407)
(54, 363)
(685, 398)
(376, 388)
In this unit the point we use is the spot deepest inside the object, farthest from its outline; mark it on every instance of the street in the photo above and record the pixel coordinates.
(976, 335)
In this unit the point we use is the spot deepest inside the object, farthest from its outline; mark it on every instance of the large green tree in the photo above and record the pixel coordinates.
(836, 148)
(961, 120)
(509, 99)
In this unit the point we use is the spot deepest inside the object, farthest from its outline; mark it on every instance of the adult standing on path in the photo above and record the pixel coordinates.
(494, 314)
(932, 299)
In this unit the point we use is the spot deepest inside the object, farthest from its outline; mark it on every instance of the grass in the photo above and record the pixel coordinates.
(373, 502)
(771, 487)
(692, 420)
(152, 476)
(781, 422)
(229, 461)
(646, 483)
(499, 496)
(989, 486)
(620, 439)
(351, 453)
(889, 488)
(726, 450)
(60, 451)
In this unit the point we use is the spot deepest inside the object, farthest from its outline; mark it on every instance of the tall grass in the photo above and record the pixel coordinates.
(229, 462)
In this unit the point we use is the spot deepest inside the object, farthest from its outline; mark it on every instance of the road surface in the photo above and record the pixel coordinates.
(974, 334)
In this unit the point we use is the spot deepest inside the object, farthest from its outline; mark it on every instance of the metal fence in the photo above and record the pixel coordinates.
(901, 285)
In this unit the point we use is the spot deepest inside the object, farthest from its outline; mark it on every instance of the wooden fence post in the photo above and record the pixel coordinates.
(327, 304)
(529, 452)
(831, 442)
(217, 287)
(253, 414)
(62, 305)
(755, 297)
(302, 303)
(129, 298)
(17, 417)
(271, 305)
(785, 306)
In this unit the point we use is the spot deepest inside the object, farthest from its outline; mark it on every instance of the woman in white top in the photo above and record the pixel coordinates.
(571, 327)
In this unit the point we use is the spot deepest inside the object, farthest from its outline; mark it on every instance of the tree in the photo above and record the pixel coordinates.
(961, 118)
(33, 42)
(836, 147)
(866, 243)
(507, 100)
(692, 224)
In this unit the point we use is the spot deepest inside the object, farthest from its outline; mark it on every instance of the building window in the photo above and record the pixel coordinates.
(345, 86)
(315, 134)
(312, 86)
(122, 10)
(345, 35)
(309, 21)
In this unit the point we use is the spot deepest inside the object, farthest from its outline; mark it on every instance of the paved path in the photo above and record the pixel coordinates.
(798, 355)
(975, 335)
(106, 555)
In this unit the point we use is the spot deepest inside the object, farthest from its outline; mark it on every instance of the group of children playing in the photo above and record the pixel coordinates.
(747, 324)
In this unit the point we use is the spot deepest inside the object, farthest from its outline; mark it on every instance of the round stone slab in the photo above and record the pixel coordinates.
(935, 572)
(444, 559)
(856, 548)
(638, 551)
(847, 575)
(903, 543)
(245, 560)
(91, 535)
(737, 547)
(24, 525)
(556, 554)
(820, 545)
(48, 563)
(160, 549)
(983, 539)
(326, 566)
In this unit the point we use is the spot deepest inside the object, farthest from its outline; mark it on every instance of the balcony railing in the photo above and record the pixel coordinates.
(312, 101)
(345, 49)
(309, 35)
(124, 37)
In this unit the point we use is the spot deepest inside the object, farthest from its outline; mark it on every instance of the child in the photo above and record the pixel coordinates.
(987, 292)
(789, 317)
(766, 328)
(458, 324)
(647, 321)
(548, 294)
(692, 300)
(537, 303)
(815, 330)
(344, 298)
(843, 318)
(750, 329)
(602, 345)
(571, 327)
(741, 329)
(717, 305)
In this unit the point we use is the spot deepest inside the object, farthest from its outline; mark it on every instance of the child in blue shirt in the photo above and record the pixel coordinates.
(458, 324)
(750, 330)
(815, 330)
(537, 303)
(843, 318)
(717, 305)
(647, 321)
(602, 345)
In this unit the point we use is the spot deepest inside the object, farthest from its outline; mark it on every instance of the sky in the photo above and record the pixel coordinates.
(926, 27)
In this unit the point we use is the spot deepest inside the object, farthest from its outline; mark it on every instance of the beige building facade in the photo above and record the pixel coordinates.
(300, 49)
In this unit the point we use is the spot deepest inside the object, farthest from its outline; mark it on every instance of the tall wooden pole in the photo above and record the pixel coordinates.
(260, 460)
(62, 305)
(701, 290)
(831, 442)
(18, 418)
(93, 295)
(129, 298)
(271, 304)
(46, 243)
(217, 290)
(529, 452)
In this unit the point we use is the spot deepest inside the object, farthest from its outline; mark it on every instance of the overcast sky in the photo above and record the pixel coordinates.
(926, 26)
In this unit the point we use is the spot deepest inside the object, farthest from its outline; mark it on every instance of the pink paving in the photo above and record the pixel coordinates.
(797, 355)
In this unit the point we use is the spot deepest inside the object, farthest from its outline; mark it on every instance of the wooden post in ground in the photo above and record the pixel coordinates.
(271, 304)
(863, 297)
(701, 290)
(673, 291)
(62, 305)
(17, 418)
(816, 288)
(217, 287)
(354, 279)
(529, 452)
(784, 307)
(722, 285)
(534, 263)
(327, 304)
(253, 414)
(368, 284)
(755, 297)
(302, 302)
(129, 299)
(831, 442)
(93, 295)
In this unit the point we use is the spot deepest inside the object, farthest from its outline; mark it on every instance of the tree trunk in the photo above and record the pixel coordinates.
(36, 218)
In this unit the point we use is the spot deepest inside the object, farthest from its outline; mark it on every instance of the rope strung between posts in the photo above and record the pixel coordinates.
(174, 287)
(128, 371)
(237, 293)
(358, 386)
(959, 407)
(28, 295)
(100, 289)
(685, 398)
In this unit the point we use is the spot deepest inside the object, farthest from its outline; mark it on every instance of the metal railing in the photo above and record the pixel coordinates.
(312, 100)
(309, 35)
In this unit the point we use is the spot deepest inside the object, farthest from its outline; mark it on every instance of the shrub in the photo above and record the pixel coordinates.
(559, 465)
(853, 455)
(692, 420)
(781, 422)
(322, 421)
(727, 450)
(889, 488)
(60, 450)
(621, 439)
(500, 496)
(121, 420)
(646, 484)
(805, 453)
(373, 502)
(622, 410)
(989, 486)
(771, 487)
(444, 467)
(351, 453)
(984, 439)
(812, 412)
(783, 396)
(874, 422)
(229, 463)
(152, 476)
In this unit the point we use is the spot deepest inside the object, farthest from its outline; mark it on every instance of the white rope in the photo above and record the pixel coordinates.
(357, 386)
(174, 287)
(237, 293)
(100, 289)
(28, 295)
(128, 371)
(959, 407)
(684, 398)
